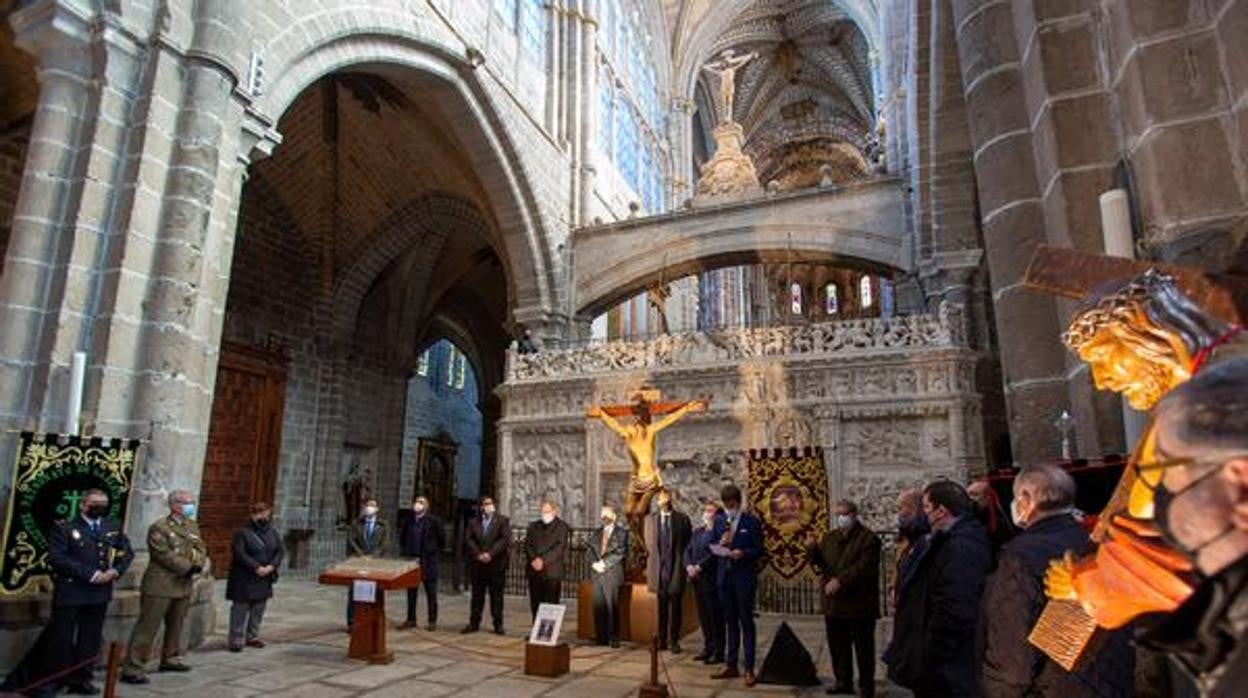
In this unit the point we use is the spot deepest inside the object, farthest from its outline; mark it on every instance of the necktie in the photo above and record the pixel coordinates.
(95, 527)
(663, 531)
(485, 525)
(368, 534)
(606, 535)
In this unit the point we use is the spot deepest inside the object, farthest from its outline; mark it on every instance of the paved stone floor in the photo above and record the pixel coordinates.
(306, 657)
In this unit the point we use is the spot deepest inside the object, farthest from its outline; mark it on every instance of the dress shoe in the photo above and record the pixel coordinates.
(728, 672)
(498, 630)
(662, 646)
(235, 648)
(841, 690)
(750, 679)
(174, 666)
(135, 678)
(86, 688)
(676, 648)
(701, 656)
(717, 659)
(615, 643)
(408, 625)
(469, 629)
(432, 627)
(256, 642)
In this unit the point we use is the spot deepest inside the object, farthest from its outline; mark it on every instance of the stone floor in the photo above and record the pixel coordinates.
(306, 657)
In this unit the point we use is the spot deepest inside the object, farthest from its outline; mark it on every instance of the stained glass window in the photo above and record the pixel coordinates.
(422, 364)
(626, 142)
(795, 298)
(533, 28)
(506, 10)
(864, 292)
(831, 299)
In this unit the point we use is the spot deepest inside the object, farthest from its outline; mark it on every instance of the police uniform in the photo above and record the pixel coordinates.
(177, 555)
(78, 550)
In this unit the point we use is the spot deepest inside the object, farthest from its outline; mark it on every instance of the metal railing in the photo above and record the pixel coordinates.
(801, 596)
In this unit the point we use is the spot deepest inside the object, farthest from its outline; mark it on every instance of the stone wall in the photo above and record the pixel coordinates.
(891, 402)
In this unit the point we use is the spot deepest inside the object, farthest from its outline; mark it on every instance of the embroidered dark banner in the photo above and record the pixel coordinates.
(789, 490)
(52, 474)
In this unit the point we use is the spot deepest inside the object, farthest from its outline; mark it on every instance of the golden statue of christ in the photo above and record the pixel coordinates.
(649, 418)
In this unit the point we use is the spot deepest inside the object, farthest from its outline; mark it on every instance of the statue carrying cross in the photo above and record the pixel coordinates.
(726, 67)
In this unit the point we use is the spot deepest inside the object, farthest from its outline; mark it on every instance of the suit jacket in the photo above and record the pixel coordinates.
(698, 552)
(422, 538)
(549, 542)
(252, 549)
(494, 541)
(359, 544)
(76, 554)
(614, 556)
(681, 530)
(748, 539)
(175, 548)
(853, 557)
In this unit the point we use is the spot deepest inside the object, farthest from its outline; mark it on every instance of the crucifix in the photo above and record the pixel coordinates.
(725, 68)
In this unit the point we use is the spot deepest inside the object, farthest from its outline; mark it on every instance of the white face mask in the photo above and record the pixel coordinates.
(418, 507)
(708, 519)
(731, 513)
(548, 517)
(1016, 515)
(607, 518)
(488, 509)
(844, 520)
(370, 511)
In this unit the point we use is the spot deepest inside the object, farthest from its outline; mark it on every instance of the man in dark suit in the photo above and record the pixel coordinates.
(703, 569)
(489, 536)
(368, 537)
(739, 542)
(87, 553)
(608, 550)
(422, 539)
(545, 544)
(667, 532)
(848, 561)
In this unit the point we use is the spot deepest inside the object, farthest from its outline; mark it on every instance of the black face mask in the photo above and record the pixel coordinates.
(913, 527)
(260, 523)
(97, 511)
(1163, 499)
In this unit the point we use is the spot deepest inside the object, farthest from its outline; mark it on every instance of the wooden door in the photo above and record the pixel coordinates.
(244, 443)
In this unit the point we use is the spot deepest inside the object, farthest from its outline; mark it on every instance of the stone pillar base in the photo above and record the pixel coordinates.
(23, 618)
(730, 174)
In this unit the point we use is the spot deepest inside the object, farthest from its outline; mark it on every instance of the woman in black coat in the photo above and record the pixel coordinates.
(253, 570)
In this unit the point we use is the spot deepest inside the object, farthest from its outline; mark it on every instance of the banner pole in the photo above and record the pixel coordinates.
(77, 379)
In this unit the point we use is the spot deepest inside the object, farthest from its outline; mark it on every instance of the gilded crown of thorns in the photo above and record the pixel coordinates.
(1114, 306)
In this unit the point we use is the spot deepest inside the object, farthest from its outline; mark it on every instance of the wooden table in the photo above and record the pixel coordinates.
(368, 631)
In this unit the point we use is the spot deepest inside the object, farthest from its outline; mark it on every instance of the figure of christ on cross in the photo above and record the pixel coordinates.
(640, 437)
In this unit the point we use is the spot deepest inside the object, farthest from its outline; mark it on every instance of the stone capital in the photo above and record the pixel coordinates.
(58, 33)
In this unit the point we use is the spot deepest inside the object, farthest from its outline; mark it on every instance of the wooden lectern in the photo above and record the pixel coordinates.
(368, 632)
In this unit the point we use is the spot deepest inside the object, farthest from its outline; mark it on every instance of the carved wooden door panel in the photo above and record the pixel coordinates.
(244, 443)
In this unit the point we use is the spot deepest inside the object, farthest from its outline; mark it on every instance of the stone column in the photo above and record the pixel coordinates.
(1012, 214)
(588, 103)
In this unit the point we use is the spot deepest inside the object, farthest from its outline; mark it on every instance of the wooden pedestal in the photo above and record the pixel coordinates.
(638, 610)
(368, 632)
(547, 660)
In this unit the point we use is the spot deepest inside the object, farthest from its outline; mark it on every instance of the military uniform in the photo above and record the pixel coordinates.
(177, 555)
(79, 550)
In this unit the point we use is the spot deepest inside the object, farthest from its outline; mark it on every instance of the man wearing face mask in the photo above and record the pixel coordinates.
(848, 561)
(422, 538)
(739, 535)
(370, 536)
(933, 651)
(545, 544)
(607, 551)
(912, 533)
(702, 568)
(1201, 507)
(178, 555)
(667, 534)
(87, 554)
(1043, 510)
(489, 537)
(257, 553)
